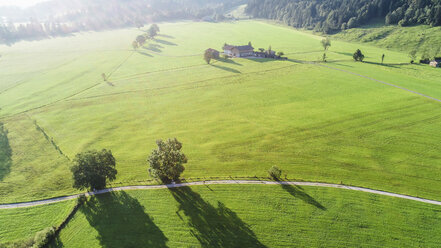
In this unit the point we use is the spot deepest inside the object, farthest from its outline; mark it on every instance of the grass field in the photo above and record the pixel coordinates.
(235, 117)
(405, 39)
(23, 223)
(251, 216)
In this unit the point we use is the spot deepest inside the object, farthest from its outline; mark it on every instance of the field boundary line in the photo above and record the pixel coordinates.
(217, 182)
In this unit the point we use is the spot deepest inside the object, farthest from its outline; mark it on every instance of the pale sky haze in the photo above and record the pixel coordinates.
(20, 3)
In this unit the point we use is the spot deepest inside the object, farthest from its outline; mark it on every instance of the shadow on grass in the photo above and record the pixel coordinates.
(299, 193)
(226, 68)
(228, 61)
(261, 60)
(154, 48)
(387, 65)
(166, 36)
(343, 53)
(213, 226)
(164, 42)
(145, 54)
(297, 61)
(5, 153)
(120, 221)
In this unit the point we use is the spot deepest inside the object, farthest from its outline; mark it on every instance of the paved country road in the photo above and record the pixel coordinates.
(240, 182)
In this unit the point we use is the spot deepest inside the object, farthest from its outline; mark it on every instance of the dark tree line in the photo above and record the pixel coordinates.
(335, 15)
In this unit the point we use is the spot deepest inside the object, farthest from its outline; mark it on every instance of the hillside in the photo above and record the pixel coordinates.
(235, 117)
(372, 124)
(335, 15)
(424, 39)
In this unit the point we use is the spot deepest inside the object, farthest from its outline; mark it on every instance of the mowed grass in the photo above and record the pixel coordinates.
(236, 118)
(420, 38)
(22, 223)
(251, 216)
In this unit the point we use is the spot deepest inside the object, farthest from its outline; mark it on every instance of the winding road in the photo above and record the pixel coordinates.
(242, 182)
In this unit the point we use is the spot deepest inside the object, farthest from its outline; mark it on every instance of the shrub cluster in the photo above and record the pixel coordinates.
(274, 172)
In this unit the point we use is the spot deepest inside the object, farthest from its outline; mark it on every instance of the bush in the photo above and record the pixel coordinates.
(275, 172)
(82, 199)
(42, 238)
(358, 55)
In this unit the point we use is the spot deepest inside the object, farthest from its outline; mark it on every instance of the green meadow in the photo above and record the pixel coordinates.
(251, 216)
(235, 117)
(336, 122)
(22, 223)
(420, 37)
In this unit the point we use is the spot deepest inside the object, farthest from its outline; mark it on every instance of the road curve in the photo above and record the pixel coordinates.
(177, 185)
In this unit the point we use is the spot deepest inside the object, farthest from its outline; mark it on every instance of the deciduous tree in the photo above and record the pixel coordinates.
(92, 169)
(326, 43)
(135, 45)
(208, 56)
(167, 161)
(141, 40)
(358, 55)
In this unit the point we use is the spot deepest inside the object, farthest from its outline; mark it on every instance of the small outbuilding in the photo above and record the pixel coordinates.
(436, 62)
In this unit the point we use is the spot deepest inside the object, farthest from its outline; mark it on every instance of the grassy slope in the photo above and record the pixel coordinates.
(234, 118)
(252, 216)
(23, 223)
(404, 39)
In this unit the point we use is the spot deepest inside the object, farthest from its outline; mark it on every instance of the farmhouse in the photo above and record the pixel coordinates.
(238, 51)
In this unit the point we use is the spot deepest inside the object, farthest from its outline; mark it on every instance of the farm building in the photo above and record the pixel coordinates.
(436, 62)
(238, 51)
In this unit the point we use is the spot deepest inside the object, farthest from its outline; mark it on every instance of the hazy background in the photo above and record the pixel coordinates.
(20, 3)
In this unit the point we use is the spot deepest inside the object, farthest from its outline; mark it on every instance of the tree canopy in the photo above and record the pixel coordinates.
(208, 56)
(141, 40)
(326, 43)
(167, 161)
(334, 15)
(92, 169)
(358, 55)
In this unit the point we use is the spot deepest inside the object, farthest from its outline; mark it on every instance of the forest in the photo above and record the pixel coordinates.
(334, 15)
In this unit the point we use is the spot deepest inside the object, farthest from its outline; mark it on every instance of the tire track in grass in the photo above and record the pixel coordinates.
(182, 85)
(218, 182)
(70, 96)
(379, 81)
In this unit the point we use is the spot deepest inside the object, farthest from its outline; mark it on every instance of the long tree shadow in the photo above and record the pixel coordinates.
(299, 193)
(165, 42)
(213, 227)
(154, 47)
(226, 68)
(145, 54)
(394, 65)
(166, 36)
(121, 222)
(5, 153)
(228, 61)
